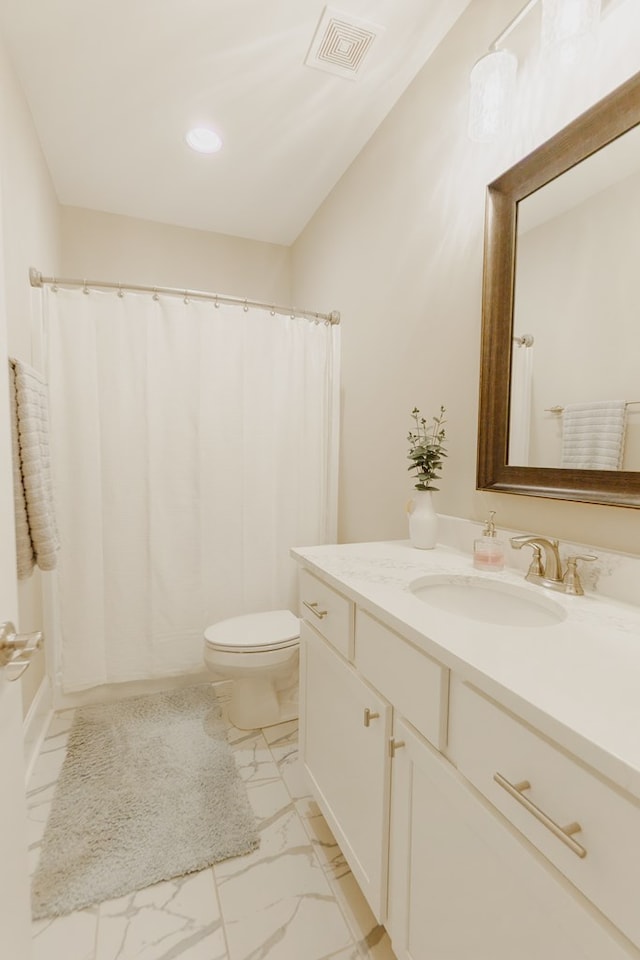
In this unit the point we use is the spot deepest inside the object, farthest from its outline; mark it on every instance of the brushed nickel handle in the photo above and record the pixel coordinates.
(565, 834)
(16, 649)
(395, 745)
(313, 607)
(571, 579)
(369, 715)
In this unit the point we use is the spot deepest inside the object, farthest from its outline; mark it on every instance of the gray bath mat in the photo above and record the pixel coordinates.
(149, 790)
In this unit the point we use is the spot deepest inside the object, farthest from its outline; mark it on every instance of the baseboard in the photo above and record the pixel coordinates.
(36, 724)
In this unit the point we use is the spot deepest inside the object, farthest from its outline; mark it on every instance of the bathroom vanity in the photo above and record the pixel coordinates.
(482, 778)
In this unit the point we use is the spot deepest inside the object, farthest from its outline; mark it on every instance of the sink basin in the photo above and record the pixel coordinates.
(488, 601)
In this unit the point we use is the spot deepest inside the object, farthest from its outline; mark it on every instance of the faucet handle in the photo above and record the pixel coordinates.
(571, 578)
(536, 567)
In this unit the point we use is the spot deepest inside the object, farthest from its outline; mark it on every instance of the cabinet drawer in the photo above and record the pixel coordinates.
(328, 611)
(485, 742)
(415, 684)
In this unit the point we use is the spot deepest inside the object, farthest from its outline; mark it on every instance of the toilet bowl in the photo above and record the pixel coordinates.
(258, 652)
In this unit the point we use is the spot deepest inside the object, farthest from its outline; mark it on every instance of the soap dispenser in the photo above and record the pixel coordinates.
(488, 551)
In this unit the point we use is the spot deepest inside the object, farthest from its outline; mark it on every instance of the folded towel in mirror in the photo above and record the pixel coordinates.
(593, 435)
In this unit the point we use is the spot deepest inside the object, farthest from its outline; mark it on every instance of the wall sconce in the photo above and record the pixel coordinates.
(567, 27)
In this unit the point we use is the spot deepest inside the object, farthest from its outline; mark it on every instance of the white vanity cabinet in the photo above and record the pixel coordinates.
(461, 884)
(400, 754)
(585, 827)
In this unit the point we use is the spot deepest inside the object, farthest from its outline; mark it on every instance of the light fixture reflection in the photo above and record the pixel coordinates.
(493, 82)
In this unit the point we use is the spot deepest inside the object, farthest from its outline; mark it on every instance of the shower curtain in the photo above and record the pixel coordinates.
(192, 445)
(520, 405)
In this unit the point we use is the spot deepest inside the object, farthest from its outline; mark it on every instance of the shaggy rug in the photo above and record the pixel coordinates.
(149, 790)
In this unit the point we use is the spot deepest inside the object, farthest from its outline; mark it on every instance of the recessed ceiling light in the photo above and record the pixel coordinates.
(203, 140)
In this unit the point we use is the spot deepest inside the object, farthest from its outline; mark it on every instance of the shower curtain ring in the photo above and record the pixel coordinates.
(186, 296)
(246, 307)
(54, 288)
(155, 294)
(120, 290)
(85, 289)
(215, 302)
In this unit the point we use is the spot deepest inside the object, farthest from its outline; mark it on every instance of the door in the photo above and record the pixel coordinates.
(344, 744)
(15, 913)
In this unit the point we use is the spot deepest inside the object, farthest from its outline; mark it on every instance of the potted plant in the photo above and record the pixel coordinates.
(426, 453)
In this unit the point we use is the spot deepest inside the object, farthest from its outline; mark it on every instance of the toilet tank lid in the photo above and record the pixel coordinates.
(254, 629)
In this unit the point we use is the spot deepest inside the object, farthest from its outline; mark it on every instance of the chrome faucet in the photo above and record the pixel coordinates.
(547, 570)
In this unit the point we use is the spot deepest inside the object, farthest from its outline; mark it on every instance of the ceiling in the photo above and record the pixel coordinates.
(113, 86)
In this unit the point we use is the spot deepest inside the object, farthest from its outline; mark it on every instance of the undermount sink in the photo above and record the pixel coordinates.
(488, 601)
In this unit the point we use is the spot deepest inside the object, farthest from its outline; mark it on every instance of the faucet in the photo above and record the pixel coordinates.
(547, 570)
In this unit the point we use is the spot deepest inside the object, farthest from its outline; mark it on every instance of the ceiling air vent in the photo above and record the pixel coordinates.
(341, 43)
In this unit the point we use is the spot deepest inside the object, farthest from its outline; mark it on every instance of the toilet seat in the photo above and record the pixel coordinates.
(254, 633)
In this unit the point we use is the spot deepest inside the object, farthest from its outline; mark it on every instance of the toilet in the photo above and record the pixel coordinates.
(259, 653)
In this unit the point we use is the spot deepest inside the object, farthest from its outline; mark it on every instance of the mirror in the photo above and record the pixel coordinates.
(560, 319)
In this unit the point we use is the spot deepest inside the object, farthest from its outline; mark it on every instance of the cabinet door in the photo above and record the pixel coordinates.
(345, 753)
(462, 886)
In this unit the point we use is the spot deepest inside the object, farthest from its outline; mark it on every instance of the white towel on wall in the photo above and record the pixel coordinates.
(593, 435)
(36, 533)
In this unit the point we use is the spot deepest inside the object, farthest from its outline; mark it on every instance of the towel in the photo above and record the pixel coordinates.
(593, 435)
(24, 549)
(36, 534)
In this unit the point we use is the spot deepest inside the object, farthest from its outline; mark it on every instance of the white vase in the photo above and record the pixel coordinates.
(423, 520)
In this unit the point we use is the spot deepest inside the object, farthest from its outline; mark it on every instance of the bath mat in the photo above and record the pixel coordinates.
(149, 791)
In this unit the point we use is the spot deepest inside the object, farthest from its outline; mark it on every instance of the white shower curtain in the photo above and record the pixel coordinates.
(192, 446)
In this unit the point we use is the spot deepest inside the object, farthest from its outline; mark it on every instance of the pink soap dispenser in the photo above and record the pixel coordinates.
(488, 551)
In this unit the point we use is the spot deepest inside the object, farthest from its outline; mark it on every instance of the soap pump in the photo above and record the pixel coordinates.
(488, 550)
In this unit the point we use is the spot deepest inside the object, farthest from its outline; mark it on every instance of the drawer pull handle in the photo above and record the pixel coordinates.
(395, 745)
(565, 834)
(369, 715)
(314, 609)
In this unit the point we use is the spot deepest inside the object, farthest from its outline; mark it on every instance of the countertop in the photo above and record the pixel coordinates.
(577, 681)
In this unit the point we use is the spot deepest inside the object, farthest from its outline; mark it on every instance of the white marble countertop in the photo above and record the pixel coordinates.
(577, 681)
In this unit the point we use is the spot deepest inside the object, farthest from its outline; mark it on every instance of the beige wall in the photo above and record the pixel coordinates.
(104, 246)
(30, 235)
(397, 247)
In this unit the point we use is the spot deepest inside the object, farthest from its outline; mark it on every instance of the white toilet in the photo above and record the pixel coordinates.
(259, 653)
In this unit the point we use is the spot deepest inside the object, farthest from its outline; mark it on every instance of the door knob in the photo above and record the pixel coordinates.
(16, 649)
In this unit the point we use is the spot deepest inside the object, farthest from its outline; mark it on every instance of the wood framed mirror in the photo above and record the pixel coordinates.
(593, 141)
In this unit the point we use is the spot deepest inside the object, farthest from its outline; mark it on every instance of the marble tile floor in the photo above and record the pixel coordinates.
(292, 899)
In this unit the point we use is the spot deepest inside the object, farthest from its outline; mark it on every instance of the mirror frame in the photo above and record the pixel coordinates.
(605, 121)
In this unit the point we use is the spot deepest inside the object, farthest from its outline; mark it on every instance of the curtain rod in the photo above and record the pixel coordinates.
(37, 280)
